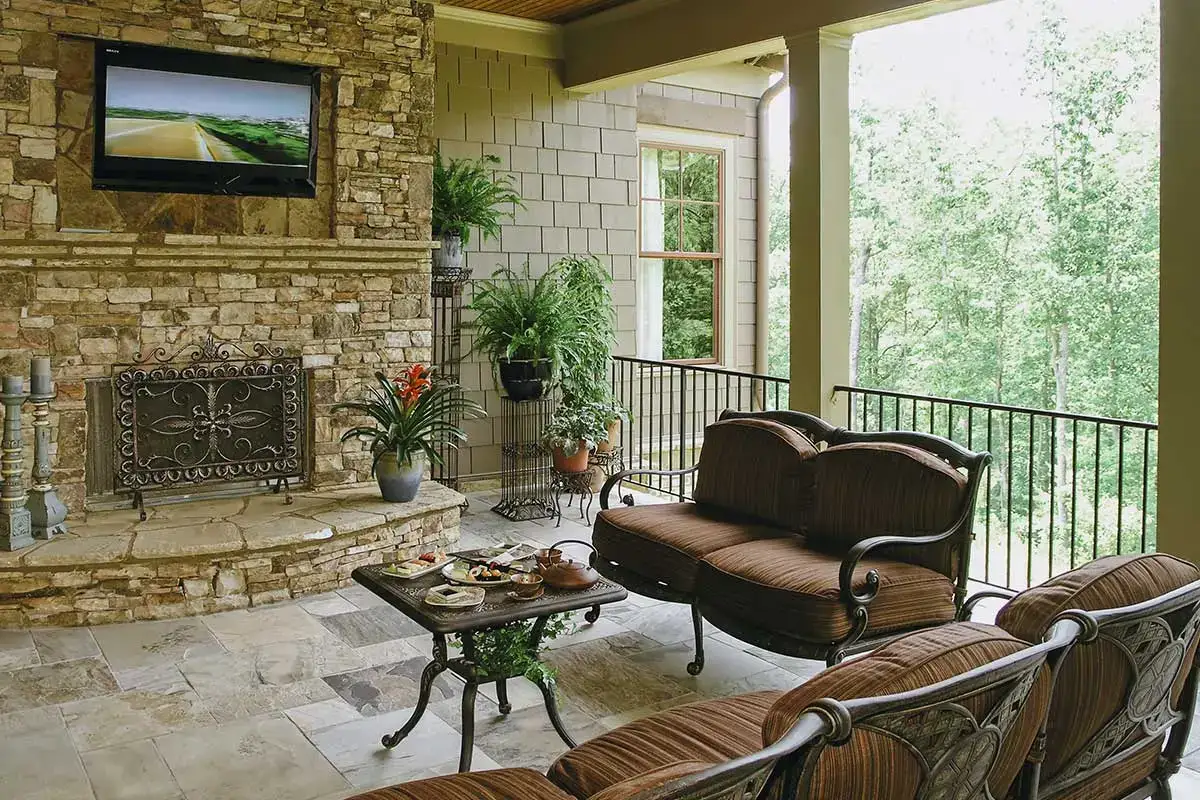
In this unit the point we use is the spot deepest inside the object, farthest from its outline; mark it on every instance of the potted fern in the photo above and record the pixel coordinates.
(412, 414)
(466, 194)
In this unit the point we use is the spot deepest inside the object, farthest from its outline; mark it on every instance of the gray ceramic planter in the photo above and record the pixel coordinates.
(399, 483)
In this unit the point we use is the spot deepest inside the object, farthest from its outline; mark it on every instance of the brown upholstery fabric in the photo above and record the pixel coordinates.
(873, 489)
(1116, 781)
(783, 585)
(705, 733)
(666, 542)
(758, 468)
(652, 779)
(501, 784)
(873, 766)
(1094, 677)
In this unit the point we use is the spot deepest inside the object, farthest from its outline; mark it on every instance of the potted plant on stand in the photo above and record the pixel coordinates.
(573, 431)
(412, 415)
(527, 326)
(466, 194)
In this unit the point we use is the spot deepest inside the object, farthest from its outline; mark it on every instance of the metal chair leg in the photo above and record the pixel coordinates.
(697, 666)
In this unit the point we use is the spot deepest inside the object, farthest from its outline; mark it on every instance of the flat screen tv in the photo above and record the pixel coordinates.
(179, 121)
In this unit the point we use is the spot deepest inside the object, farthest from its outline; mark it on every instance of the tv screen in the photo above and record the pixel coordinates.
(174, 120)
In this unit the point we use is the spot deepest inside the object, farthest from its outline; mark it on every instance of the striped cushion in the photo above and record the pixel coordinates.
(697, 734)
(666, 542)
(652, 779)
(872, 489)
(1094, 677)
(758, 468)
(501, 784)
(783, 585)
(873, 766)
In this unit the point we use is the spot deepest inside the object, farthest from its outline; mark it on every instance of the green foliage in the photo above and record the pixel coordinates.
(509, 650)
(573, 423)
(467, 194)
(586, 382)
(268, 141)
(408, 428)
(117, 112)
(688, 309)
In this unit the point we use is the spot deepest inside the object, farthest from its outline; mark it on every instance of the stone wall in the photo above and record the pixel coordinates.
(575, 161)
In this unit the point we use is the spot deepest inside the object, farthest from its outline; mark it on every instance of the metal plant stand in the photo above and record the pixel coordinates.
(526, 490)
(446, 357)
(574, 484)
(16, 528)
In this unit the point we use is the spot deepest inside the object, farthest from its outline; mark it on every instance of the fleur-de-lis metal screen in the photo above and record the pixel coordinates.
(210, 412)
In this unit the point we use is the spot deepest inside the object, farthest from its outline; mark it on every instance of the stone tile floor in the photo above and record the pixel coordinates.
(289, 701)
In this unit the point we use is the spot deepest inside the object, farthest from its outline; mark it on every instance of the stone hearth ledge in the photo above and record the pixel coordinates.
(214, 555)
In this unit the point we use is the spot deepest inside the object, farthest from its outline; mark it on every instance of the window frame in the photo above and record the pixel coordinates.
(724, 260)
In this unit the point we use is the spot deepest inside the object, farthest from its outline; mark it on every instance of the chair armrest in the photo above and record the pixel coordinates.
(969, 607)
(860, 550)
(615, 480)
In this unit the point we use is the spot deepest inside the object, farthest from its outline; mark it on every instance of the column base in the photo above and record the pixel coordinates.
(16, 530)
(47, 513)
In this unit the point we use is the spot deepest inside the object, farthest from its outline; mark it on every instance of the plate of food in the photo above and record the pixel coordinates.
(416, 567)
(455, 596)
(468, 574)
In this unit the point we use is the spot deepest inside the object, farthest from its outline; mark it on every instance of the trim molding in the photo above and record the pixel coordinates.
(508, 34)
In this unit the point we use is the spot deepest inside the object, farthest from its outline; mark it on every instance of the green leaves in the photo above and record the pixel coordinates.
(466, 194)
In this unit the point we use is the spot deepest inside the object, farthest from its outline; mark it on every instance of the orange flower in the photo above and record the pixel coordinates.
(413, 383)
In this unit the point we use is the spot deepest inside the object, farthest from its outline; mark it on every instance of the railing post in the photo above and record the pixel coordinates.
(682, 428)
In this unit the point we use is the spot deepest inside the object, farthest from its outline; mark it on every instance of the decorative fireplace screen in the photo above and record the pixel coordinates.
(218, 414)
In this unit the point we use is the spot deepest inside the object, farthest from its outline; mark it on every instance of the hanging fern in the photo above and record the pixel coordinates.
(466, 194)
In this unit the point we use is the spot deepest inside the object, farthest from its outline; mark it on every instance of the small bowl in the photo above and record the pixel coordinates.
(526, 584)
(546, 557)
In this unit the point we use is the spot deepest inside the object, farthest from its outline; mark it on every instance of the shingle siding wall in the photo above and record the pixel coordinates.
(575, 160)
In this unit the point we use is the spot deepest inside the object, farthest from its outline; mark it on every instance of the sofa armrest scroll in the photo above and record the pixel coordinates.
(964, 615)
(616, 480)
(860, 551)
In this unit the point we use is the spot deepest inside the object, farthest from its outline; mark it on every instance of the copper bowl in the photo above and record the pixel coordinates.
(548, 557)
(526, 584)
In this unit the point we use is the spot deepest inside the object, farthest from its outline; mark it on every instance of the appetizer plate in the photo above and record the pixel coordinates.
(416, 568)
(460, 572)
(455, 596)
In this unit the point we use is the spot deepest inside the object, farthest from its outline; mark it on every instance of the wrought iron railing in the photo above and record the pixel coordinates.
(671, 403)
(1062, 489)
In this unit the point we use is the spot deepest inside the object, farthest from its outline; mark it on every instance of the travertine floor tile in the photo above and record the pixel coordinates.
(133, 771)
(64, 682)
(244, 630)
(132, 716)
(37, 759)
(17, 650)
(64, 644)
(142, 644)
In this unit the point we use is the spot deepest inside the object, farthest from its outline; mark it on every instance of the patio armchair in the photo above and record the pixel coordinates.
(804, 538)
(954, 707)
(1125, 696)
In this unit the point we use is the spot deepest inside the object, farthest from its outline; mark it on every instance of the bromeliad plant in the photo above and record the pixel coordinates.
(413, 414)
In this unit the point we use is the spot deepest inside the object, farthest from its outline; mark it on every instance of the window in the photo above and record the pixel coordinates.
(681, 252)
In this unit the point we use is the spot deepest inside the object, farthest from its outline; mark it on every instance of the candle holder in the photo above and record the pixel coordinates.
(47, 513)
(15, 523)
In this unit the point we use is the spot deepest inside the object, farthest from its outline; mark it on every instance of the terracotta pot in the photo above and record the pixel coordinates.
(575, 463)
(614, 436)
(399, 483)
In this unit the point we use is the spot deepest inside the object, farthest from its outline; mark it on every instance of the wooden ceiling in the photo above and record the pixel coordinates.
(544, 10)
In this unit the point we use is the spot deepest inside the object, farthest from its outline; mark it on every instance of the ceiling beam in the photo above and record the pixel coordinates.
(650, 39)
(471, 28)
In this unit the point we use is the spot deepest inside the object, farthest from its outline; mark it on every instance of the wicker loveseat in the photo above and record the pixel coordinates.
(964, 711)
(804, 538)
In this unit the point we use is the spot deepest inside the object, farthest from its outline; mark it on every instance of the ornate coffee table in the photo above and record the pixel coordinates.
(497, 610)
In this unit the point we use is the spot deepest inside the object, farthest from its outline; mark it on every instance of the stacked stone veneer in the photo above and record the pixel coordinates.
(217, 555)
(341, 279)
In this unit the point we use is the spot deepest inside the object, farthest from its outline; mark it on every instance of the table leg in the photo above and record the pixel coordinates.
(432, 670)
(468, 726)
(502, 696)
(552, 712)
(591, 616)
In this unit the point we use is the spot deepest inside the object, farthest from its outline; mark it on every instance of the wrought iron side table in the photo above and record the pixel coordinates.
(575, 484)
(497, 610)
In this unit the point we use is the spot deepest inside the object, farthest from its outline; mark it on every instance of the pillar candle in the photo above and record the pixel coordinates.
(14, 384)
(40, 382)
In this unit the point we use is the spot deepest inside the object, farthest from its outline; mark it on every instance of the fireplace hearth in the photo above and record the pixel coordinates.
(210, 412)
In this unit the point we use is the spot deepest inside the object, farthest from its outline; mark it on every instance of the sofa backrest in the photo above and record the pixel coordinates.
(940, 713)
(1127, 682)
(758, 468)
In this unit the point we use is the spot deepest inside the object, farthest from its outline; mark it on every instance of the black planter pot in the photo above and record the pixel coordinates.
(524, 380)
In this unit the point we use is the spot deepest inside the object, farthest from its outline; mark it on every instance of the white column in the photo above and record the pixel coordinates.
(819, 70)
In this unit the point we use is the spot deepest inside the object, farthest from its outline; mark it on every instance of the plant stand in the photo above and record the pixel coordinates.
(609, 463)
(574, 484)
(446, 357)
(526, 492)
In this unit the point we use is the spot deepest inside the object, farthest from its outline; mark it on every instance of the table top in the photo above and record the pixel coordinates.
(408, 597)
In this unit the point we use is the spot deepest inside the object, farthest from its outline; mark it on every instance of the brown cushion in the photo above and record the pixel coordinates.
(666, 542)
(501, 784)
(1118, 780)
(873, 766)
(702, 734)
(873, 489)
(758, 468)
(1094, 677)
(652, 779)
(784, 585)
